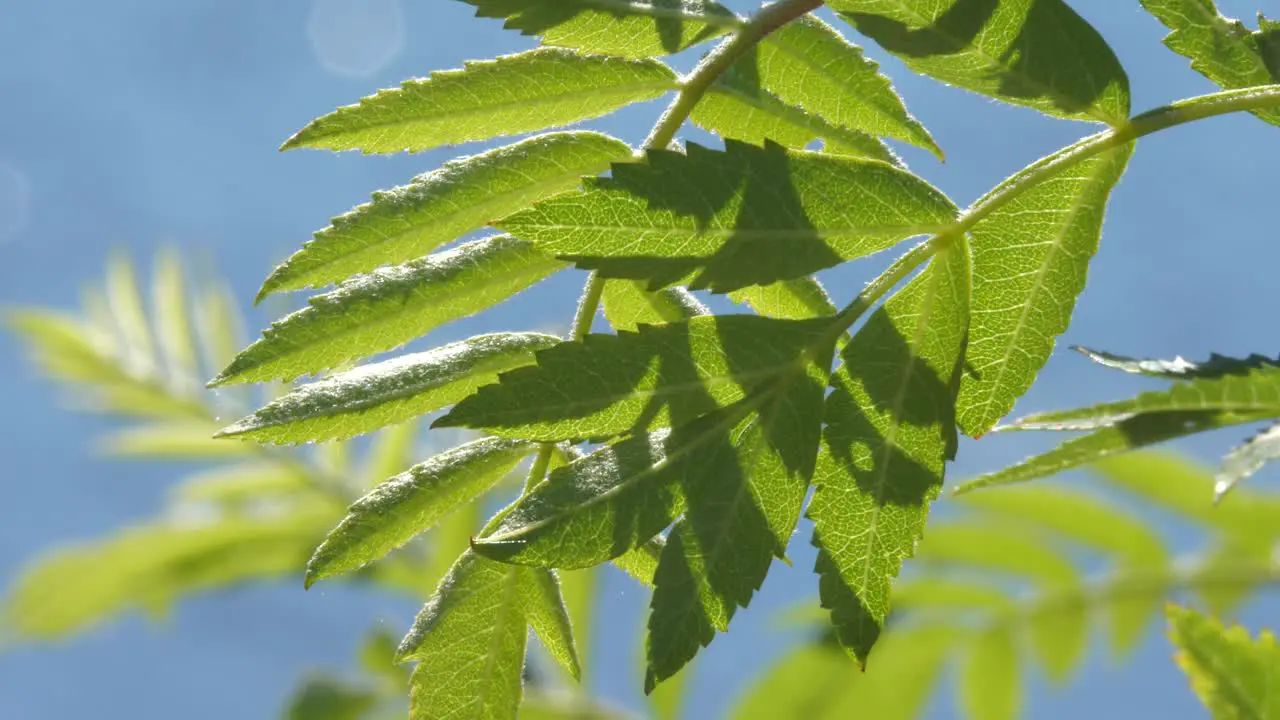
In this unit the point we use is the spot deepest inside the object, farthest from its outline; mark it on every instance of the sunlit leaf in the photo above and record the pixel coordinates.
(389, 307)
(990, 685)
(412, 502)
(794, 299)
(325, 698)
(1036, 53)
(728, 219)
(386, 393)
(627, 305)
(1177, 368)
(513, 94)
(1247, 459)
(469, 641)
(665, 374)
(1027, 276)
(185, 440)
(808, 64)
(1233, 674)
(243, 484)
(629, 28)
(744, 494)
(1220, 48)
(890, 430)
(410, 221)
(545, 608)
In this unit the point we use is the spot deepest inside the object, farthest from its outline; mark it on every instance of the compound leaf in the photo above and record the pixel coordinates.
(729, 219)
(410, 221)
(890, 430)
(667, 374)
(1034, 53)
(1178, 368)
(513, 94)
(1027, 276)
(390, 392)
(792, 299)
(544, 605)
(389, 307)
(1247, 459)
(628, 28)
(990, 677)
(412, 502)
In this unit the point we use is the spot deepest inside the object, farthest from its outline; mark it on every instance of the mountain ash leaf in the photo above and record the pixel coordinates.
(513, 94)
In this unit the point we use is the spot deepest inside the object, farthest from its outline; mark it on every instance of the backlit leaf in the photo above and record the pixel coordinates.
(744, 494)
(323, 698)
(627, 305)
(629, 28)
(668, 374)
(469, 641)
(1220, 48)
(642, 562)
(990, 682)
(793, 299)
(410, 221)
(149, 567)
(545, 608)
(890, 430)
(1030, 259)
(389, 307)
(1035, 53)
(725, 220)
(808, 64)
(1233, 674)
(389, 392)
(997, 548)
(185, 440)
(1251, 393)
(1108, 441)
(513, 94)
(412, 502)
(737, 107)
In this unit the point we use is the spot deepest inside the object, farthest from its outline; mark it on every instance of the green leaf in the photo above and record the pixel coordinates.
(627, 305)
(628, 28)
(599, 507)
(564, 706)
(389, 307)
(1220, 48)
(1034, 53)
(392, 449)
(890, 430)
(1177, 368)
(662, 375)
(183, 440)
(1060, 634)
(67, 350)
(796, 299)
(149, 567)
(412, 502)
(132, 327)
(1110, 441)
(410, 221)
(447, 541)
(580, 590)
(469, 641)
(666, 701)
(1250, 393)
(744, 493)
(990, 677)
(641, 563)
(390, 392)
(325, 698)
(808, 64)
(1247, 459)
(737, 107)
(1233, 674)
(173, 324)
(729, 219)
(243, 484)
(549, 617)
(512, 94)
(997, 548)
(1027, 276)
(219, 325)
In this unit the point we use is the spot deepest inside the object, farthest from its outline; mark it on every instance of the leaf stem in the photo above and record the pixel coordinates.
(1152, 121)
(692, 88)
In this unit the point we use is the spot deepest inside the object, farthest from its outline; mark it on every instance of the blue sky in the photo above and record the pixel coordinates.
(140, 123)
